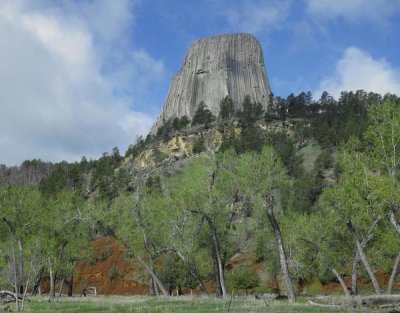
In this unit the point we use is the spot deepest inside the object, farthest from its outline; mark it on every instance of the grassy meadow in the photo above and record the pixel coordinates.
(182, 304)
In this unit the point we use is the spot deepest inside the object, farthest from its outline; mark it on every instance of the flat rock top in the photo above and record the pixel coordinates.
(236, 36)
(227, 47)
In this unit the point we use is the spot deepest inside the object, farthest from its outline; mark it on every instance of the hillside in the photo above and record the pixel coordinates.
(305, 138)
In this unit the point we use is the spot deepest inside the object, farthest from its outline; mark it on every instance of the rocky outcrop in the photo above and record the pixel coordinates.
(213, 68)
(180, 146)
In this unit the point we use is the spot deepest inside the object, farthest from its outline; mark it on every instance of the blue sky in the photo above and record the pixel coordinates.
(80, 77)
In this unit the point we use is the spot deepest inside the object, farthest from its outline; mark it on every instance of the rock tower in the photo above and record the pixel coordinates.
(213, 68)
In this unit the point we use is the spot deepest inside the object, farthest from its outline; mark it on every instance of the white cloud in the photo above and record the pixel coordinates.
(256, 17)
(353, 10)
(358, 70)
(69, 79)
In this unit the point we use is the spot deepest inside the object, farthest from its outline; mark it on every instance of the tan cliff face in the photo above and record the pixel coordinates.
(213, 68)
(180, 146)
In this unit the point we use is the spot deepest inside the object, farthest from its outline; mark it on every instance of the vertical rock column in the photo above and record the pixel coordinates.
(213, 68)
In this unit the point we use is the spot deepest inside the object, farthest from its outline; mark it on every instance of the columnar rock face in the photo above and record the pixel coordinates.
(213, 68)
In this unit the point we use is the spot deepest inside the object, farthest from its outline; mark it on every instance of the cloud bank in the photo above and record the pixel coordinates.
(358, 70)
(353, 10)
(70, 78)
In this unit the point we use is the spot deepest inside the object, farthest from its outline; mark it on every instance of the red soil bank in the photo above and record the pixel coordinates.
(111, 273)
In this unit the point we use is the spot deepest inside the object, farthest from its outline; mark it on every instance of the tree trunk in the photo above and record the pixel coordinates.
(6, 293)
(354, 273)
(393, 220)
(52, 291)
(281, 250)
(220, 266)
(20, 265)
(70, 284)
(393, 275)
(335, 272)
(152, 287)
(156, 291)
(15, 277)
(196, 275)
(61, 288)
(357, 259)
(38, 279)
(27, 284)
(193, 270)
(217, 283)
(221, 277)
(153, 275)
(363, 258)
(341, 281)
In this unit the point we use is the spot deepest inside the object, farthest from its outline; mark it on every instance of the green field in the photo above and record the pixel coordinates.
(181, 304)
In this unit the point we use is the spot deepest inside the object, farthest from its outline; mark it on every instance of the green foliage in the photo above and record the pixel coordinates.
(315, 288)
(365, 191)
(101, 177)
(104, 176)
(199, 146)
(226, 109)
(172, 221)
(251, 111)
(134, 150)
(243, 277)
(229, 141)
(175, 274)
(203, 116)
(65, 176)
(153, 183)
(302, 131)
(306, 190)
(251, 139)
(297, 105)
(164, 132)
(50, 232)
(285, 146)
(325, 160)
(180, 123)
(159, 156)
(113, 273)
(338, 121)
(167, 129)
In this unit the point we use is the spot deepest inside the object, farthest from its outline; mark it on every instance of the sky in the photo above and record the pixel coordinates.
(80, 77)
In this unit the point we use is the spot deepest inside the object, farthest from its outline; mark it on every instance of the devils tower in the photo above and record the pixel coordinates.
(213, 68)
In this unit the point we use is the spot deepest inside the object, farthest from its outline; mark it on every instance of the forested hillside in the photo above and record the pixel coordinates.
(305, 192)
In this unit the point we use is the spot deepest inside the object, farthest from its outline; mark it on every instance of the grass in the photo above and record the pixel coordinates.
(182, 304)
(310, 154)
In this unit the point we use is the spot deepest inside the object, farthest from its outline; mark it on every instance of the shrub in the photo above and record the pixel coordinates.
(243, 277)
(107, 252)
(198, 146)
(252, 111)
(113, 273)
(315, 288)
(180, 123)
(203, 116)
(226, 108)
(324, 160)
